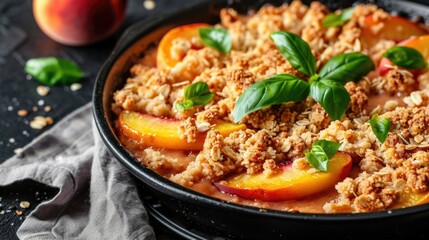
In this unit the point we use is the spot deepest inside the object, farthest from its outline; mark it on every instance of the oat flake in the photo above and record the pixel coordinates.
(24, 204)
(149, 4)
(75, 86)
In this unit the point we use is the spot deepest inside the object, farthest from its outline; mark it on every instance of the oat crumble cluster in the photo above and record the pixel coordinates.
(286, 131)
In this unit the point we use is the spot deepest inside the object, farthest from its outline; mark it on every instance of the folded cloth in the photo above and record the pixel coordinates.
(97, 197)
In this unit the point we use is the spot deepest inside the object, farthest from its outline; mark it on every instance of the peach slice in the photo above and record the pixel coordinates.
(421, 44)
(164, 58)
(163, 132)
(289, 183)
(412, 199)
(394, 28)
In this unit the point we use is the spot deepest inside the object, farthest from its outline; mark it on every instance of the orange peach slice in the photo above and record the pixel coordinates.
(289, 183)
(163, 132)
(393, 28)
(412, 199)
(164, 57)
(421, 44)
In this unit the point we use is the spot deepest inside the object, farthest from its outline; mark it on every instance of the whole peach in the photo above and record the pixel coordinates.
(79, 22)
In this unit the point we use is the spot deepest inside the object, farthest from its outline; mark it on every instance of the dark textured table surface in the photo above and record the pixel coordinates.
(20, 40)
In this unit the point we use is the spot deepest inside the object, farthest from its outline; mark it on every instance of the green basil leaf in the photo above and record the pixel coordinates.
(318, 158)
(333, 97)
(185, 105)
(53, 71)
(380, 127)
(406, 57)
(275, 90)
(199, 93)
(217, 38)
(330, 148)
(196, 94)
(321, 152)
(335, 20)
(296, 51)
(347, 67)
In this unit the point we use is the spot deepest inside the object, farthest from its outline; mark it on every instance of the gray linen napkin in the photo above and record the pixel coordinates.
(97, 197)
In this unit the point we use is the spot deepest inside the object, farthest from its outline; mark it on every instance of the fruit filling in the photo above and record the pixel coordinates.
(293, 107)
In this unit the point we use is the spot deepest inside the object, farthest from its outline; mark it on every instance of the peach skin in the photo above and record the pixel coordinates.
(164, 57)
(78, 22)
(163, 132)
(421, 44)
(394, 28)
(288, 183)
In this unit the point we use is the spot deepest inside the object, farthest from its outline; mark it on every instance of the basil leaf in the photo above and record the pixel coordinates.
(333, 97)
(321, 152)
(53, 71)
(199, 93)
(217, 38)
(406, 57)
(275, 90)
(196, 94)
(330, 148)
(318, 158)
(296, 51)
(182, 106)
(380, 127)
(335, 20)
(347, 67)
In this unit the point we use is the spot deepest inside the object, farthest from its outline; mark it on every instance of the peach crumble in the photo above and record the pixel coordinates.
(291, 107)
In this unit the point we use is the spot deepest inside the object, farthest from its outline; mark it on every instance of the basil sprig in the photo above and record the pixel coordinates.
(326, 88)
(53, 71)
(196, 94)
(406, 57)
(216, 38)
(332, 96)
(380, 128)
(335, 20)
(296, 51)
(344, 68)
(321, 152)
(275, 90)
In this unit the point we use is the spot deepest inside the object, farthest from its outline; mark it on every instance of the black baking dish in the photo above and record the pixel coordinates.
(218, 217)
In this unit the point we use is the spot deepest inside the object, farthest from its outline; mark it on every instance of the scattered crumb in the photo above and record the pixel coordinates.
(75, 86)
(12, 224)
(47, 108)
(22, 112)
(2, 212)
(18, 212)
(11, 140)
(10, 108)
(149, 4)
(35, 108)
(25, 133)
(28, 77)
(24, 204)
(40, 122)
(41, 102)
(42, 90)
(17, 150)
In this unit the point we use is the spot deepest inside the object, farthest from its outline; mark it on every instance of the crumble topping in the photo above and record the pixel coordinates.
(284, 132)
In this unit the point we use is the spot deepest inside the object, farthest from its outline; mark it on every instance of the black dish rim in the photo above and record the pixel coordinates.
(152, 179)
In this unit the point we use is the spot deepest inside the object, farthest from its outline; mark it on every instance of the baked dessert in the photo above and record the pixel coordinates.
(291, 107)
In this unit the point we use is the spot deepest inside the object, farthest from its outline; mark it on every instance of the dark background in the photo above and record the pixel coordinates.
(20, 40)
